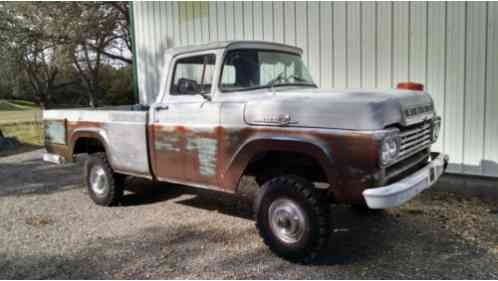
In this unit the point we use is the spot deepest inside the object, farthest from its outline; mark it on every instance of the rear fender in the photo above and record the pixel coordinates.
(94, 133)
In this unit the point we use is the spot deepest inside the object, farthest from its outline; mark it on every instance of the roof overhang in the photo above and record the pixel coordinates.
(234, 45)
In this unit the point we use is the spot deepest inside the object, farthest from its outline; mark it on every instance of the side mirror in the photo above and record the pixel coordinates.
(188, 87)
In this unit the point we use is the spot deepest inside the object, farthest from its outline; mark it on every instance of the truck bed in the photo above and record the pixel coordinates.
(124, 127)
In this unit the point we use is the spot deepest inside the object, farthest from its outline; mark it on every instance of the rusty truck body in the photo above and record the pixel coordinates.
(249, 108)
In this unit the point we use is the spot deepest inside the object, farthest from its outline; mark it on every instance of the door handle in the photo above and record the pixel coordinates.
(162, 107)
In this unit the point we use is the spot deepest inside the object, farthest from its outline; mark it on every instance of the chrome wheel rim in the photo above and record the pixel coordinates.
(287, 220)
(98, 180)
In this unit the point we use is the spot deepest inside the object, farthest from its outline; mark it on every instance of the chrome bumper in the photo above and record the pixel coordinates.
(53, 158)
(395, 194)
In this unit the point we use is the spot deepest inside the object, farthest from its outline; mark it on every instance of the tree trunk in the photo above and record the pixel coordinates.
(91, 99)
(42, 100)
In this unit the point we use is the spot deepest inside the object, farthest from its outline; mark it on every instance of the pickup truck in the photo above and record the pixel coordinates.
(249, 108)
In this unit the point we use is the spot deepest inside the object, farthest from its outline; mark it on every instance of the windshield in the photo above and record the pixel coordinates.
(252, 69)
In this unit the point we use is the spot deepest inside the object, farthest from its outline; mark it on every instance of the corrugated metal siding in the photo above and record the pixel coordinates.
(450, 47)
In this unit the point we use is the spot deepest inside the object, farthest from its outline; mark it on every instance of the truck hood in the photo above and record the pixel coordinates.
(340, 109)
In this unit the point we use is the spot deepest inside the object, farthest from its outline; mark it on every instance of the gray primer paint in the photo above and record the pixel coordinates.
(55, 132)
(206, 149)
(167, 142)
(338, 109)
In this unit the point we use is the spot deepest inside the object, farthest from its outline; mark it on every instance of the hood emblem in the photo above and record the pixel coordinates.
(280, 120)
(418, 110)
(418, 113)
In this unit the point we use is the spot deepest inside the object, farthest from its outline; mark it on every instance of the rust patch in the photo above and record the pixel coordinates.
(169, 159)
(66, 150)
(188, 154)
(349, 167)
(73, 135)
(59, 149)
(218, 156)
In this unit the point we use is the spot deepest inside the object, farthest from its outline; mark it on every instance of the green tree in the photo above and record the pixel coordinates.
(62, 48)
(99, 38)
(31, 42)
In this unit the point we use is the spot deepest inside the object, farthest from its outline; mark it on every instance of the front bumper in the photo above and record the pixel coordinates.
(397, 193)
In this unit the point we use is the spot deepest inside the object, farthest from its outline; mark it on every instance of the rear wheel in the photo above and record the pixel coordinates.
(292, 218)
(104, 186)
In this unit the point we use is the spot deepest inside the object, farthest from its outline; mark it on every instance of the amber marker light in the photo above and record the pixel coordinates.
(410, 86)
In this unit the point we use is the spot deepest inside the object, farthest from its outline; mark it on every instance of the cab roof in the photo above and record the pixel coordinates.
(231, 45)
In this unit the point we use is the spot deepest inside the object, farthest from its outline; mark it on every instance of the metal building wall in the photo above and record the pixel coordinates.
(450, 47)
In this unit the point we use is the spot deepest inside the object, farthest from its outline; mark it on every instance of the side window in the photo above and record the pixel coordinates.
(193, 75)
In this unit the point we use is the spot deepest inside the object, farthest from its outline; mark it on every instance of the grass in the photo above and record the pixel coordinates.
(7, 106)
(17, 111)
(12, 105)
(21, 119)
(22, 116)
(29, 133)
(23, 103)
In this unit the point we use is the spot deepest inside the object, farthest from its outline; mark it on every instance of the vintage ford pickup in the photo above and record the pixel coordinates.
(249, 108)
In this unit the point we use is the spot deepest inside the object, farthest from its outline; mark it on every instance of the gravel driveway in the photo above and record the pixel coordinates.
(49, 228)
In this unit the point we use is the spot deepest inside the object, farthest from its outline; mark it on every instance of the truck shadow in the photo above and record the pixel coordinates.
(142, 192)
(156, 251)
(21, 148)
(36, 177)
(354, 235)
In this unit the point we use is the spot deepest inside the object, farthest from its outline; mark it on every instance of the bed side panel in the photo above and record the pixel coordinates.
(123, 134)
(128, 142)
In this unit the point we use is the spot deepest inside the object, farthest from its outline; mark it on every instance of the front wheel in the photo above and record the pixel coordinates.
(104, 186)
(292, 218)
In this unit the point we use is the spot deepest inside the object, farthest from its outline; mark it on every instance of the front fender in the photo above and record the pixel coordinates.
(316, 149)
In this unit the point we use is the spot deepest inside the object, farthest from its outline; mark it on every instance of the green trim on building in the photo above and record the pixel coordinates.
(134, 54)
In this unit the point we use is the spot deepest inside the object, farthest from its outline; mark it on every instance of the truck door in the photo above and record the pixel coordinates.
(184, 133)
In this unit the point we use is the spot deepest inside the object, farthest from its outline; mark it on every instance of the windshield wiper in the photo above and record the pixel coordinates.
(276, 79)
(295, 84)
(281, 77)
(300, 79)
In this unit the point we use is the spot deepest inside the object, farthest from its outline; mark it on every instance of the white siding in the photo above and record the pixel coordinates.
(490, 158)
(450, 47)
(384, 38)
(368, 45)
(340, 44)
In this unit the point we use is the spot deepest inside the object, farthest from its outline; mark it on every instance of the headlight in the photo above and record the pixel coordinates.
(436, 126)
(389, 149)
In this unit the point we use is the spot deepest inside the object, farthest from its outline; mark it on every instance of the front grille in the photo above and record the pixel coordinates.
(414, 152)
(414, 139)
(407, 166)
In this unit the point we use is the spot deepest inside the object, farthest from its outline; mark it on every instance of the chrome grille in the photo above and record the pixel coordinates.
(407, 166)
(414, 139)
